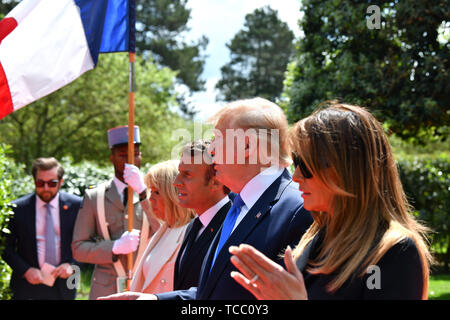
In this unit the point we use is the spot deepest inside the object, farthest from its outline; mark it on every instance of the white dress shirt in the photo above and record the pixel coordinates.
(208, 215)
(41, 213)
(254, 189)
(120, 187)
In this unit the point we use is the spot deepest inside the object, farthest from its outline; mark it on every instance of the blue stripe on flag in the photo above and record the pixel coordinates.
(115, 30)
(106, 25)
(93, 17)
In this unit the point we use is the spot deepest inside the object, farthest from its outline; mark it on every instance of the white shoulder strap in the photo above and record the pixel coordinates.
(103, 228)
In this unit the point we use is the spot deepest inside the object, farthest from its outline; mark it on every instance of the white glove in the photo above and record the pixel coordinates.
(133, 177)
(127, 243)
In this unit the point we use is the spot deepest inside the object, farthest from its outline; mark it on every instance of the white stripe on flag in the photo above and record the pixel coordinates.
(46, 51)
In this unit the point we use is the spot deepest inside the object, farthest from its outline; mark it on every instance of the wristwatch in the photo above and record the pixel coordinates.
(143, 195)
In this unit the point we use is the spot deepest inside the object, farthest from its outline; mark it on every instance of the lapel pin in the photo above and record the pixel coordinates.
(258, 215)
(212, 229)
(65, 207)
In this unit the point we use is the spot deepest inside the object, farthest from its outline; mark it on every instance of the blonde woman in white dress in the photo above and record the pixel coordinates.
(155, 270)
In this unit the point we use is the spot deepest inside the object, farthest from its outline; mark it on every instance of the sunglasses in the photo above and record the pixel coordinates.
(51, 183)
(298, 163)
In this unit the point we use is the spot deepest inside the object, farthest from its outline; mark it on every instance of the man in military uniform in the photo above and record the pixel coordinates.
(100, 234)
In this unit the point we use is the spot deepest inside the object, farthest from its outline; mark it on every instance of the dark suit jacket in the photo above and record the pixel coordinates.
(188, 274)
(399, 277)
(21, 247)
(275, 221)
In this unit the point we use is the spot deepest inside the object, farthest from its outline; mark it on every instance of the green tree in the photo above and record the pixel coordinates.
(399, 71)
(160, 27)
(6, 6)
(73, 121)
(259, 55)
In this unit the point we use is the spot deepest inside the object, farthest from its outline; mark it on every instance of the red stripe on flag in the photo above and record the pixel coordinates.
(6, 26)
(6, 105)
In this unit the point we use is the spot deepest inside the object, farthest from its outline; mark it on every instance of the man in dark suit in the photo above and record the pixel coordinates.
(198, 189)
(251, 153)
(38, 247)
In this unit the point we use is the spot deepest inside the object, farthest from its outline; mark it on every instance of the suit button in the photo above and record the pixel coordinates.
(163, 281)
(126, 216)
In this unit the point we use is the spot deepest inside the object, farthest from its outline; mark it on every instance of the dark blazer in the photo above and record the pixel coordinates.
(21, 247)
(275, 221)
(399, 275)
(188, 274)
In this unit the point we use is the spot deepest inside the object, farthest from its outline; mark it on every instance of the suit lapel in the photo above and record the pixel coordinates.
(63, 208)
(253, 217)
(176, 275)
(163, 253)
(112, 194)
(30, 211)
(204, 240)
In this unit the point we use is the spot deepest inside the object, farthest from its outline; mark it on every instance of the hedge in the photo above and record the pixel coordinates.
(6, 197)
(427, 186)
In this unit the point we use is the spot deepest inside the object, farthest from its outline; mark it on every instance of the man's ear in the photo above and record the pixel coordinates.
(214, 184)
(251, 148)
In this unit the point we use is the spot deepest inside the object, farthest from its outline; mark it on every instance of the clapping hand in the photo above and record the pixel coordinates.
(265, 279)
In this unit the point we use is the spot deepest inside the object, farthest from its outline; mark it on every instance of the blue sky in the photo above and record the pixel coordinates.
(220, 20)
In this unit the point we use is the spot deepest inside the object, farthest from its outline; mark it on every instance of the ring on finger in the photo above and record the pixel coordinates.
(254, 279)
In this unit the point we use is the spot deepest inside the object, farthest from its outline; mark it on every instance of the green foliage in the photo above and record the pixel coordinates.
(81, 176)
(439, 287)
(5, 212)
(160, 27)
(427, 185)
(399, 72)
(260, 53)
(74, 120)
(6, 6)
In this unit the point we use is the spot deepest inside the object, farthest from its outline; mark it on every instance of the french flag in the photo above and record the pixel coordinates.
(46, 44)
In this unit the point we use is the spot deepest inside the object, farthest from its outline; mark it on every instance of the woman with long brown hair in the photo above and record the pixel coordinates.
(364, 242)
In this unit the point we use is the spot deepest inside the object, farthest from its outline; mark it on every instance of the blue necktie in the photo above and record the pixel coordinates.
(228, 224)
(50, 238)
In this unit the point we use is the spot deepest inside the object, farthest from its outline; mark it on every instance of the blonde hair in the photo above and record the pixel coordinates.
(258, 113)
(162, 176)
(369, 212)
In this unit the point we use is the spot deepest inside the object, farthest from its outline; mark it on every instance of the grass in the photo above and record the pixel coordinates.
(439, 287)
(85, 283)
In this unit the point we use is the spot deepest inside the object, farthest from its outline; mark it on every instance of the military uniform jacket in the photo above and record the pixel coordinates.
(88, 245)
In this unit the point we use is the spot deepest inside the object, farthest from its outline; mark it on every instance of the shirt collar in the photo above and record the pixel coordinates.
(119, 185)
(254, 189)
(208, 215)
(53, 203)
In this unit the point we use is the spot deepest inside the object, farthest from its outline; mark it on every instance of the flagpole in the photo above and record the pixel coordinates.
(131, 90)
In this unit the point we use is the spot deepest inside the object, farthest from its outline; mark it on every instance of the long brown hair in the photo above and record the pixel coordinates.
(369, 212)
